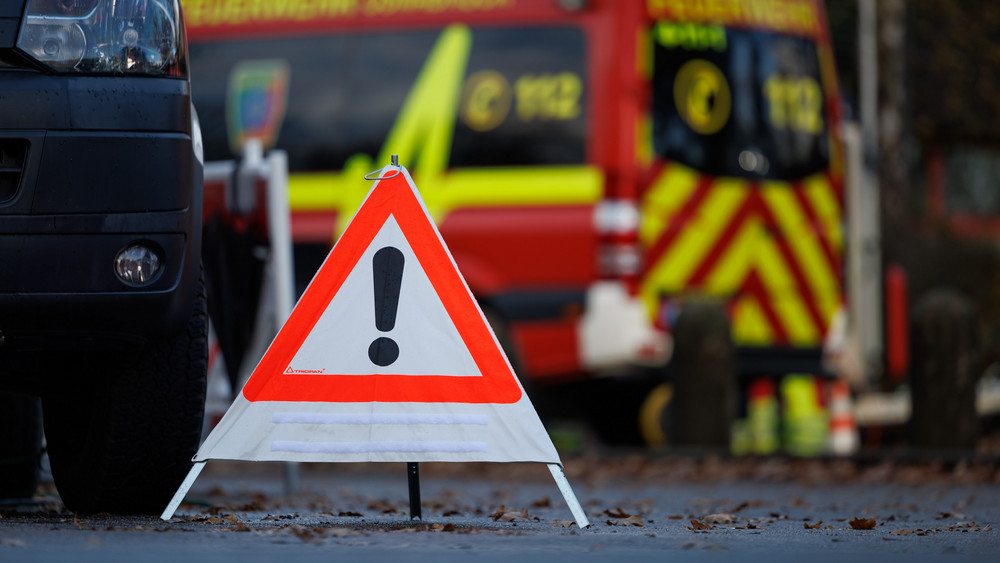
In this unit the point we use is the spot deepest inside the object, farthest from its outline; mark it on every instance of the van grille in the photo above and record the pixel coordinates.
(12, 153)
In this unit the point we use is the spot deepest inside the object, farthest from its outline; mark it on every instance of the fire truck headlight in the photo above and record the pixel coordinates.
(142, 37)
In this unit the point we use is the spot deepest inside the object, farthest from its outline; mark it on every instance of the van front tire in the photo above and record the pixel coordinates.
(122, 440)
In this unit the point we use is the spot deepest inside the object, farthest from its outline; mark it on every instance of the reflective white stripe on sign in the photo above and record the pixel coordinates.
(376, 447)
(366, 418)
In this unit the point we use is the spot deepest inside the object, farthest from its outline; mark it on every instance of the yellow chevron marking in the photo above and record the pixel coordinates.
(738, 259)
(750, 325)
(820, 194)
(794, 227)
(753, 248)
(788, 303)
(664, 199)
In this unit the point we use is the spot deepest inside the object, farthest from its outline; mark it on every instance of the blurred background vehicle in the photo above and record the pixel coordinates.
(675, 232)
(647, 198)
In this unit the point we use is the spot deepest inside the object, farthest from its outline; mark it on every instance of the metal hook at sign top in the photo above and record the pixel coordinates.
(374, 174)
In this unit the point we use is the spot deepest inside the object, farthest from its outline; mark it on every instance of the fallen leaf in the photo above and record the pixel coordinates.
(349, 513)
(498, 512)
(720, 518)
(562, 523)
(544, 502)
(676, 517)
(504, 515)
(629, 521)
(901, 532)
(862, 523)
(696, 525)
(815, 526)
(617, 513)
(635, 520)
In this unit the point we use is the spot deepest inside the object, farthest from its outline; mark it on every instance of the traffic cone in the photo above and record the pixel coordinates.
(844, 439)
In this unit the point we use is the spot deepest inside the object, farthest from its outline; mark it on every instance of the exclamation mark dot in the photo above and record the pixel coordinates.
(387, 267)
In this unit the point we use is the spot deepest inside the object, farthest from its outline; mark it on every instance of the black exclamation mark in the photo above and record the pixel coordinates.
(387, 265)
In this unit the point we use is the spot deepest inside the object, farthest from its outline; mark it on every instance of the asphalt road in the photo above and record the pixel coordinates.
(643, 509)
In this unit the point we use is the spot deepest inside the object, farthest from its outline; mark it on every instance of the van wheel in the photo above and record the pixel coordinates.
(123, 439)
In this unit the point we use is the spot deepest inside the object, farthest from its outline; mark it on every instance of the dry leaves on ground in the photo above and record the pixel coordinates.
(504, 515)
(862, 523)
(621, 517)
(720, 518)
(227, 519)
(698, 526)
(815, 526)
(635, 520)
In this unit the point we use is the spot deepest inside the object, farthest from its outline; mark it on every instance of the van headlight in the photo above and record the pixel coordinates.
(105, 36)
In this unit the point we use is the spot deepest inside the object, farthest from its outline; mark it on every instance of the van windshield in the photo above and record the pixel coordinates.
(738, 102)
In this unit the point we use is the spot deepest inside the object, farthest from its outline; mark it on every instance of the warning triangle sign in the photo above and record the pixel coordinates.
(386, 357)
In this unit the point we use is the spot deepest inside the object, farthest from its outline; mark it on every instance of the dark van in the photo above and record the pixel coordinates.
(102, 305)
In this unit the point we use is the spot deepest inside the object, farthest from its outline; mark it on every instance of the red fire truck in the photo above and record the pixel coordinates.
(594, 165)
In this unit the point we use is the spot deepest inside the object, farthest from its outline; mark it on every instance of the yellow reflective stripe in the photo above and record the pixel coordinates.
(798, 234)
(750, 325)
(488, 187)
(788, 303)
(326, 191)
(820, 194)
(313, 191)
(344, 191)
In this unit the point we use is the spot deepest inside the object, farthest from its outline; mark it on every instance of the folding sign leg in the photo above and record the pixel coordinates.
(168, 512)
(567, 493)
